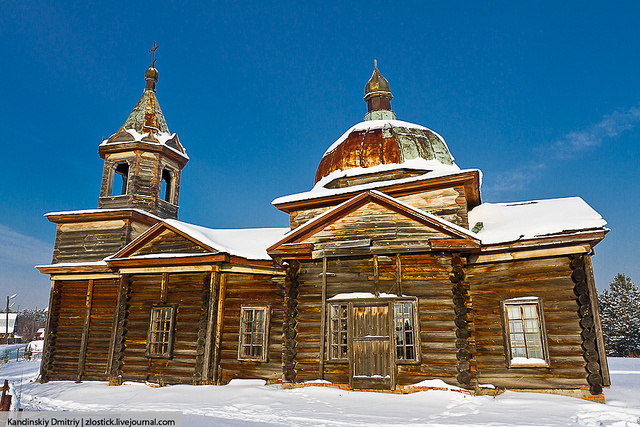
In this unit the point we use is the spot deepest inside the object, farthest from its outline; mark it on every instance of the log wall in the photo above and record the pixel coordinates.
(424, 276)
(80, 327)
(251, 290)
(549, 279)
(185, 290)
(89, 241)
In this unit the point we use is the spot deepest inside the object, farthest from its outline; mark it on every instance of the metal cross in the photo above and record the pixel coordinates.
(153, 53)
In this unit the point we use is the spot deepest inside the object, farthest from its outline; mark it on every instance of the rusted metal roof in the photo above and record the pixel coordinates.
(147, 115)
(387, 144)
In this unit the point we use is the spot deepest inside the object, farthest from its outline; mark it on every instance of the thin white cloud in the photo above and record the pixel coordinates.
(610, 126)
(20, 249)
(566, 147)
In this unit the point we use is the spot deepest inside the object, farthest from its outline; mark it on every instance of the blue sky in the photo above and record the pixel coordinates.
(543, 97)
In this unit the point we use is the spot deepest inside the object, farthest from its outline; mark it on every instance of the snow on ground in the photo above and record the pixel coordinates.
(250, 402)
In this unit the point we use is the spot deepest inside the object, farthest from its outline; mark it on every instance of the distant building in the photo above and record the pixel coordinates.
(11, 326)
(393, 271)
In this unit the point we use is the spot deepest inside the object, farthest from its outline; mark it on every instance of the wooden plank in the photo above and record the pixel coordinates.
(219, 326)
(211, 319)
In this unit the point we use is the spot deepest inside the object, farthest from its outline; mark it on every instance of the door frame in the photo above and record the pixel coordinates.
(351, 303)
(391, 339)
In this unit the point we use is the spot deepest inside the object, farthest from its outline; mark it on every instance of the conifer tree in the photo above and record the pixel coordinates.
(620, 312)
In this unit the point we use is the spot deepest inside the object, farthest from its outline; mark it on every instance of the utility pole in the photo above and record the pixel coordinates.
(6, 325)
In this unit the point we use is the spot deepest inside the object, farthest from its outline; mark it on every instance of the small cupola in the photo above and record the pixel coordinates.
(143, 159)
(377, 95)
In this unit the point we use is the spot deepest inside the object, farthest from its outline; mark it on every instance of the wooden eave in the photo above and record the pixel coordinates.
(160, 261)
(591, 237)
(106, 215)
(166, 151)
(292, 251)
(221, 260)
(73, 269)
(292, 247)
(470, 180)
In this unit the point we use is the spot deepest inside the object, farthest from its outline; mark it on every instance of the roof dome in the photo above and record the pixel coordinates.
(383, 144)
(376, 145)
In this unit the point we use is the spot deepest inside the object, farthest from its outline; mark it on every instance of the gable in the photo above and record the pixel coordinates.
(374, 222)
(168, 241)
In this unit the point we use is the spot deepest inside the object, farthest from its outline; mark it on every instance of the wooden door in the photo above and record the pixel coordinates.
(371, 362)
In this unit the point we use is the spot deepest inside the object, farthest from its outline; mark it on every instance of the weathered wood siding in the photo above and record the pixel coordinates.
(185, 291)
(375, 222)
(424, 276)
(68, 325)
(90, 241)
(549, 279)
(447, 203)
(251, 290)
(103, 304)
(69, 322)
(143, 187)
(170, 242)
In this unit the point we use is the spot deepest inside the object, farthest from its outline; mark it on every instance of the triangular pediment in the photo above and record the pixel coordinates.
(375, 222)
(162, 239)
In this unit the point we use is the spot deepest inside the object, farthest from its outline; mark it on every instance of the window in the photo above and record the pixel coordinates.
(161, 331)
(254, 323)
(404, 322)
(166, 192)
(338, 318)
(525, 332)
(120, 179)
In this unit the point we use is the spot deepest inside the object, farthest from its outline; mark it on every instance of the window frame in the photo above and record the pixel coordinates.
(264, 344)
(416, 332)
(542, 332)
(151, 341)
(332, 332)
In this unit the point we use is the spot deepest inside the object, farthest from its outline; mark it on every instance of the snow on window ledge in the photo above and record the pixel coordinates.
(528, 362)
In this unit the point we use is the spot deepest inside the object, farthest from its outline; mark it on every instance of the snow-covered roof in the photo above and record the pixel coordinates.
(100, 263)
(161, 137)
(508, 222)
(319, 191)
(90, 211)
(250, 243)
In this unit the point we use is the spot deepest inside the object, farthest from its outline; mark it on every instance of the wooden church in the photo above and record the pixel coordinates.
(392, 272)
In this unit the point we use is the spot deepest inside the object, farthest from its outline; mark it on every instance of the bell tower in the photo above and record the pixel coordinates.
(143, 160)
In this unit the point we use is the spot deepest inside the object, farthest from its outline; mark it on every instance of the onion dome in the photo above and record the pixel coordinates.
(377, 95)
(382, 145)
